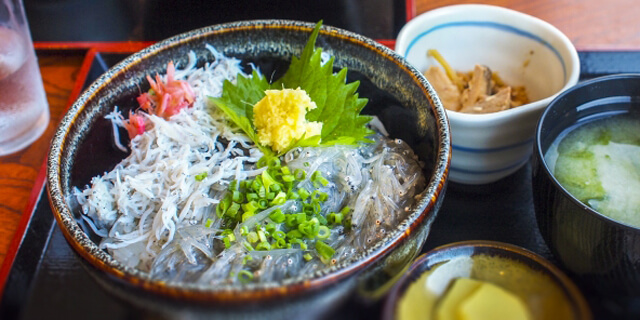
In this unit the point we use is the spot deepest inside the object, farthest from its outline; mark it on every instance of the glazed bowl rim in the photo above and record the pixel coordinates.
(543, 162)
(99, 259)
(482, 119)
(574, 295)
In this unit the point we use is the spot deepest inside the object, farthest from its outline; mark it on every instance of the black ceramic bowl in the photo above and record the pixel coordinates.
(399, 95)
(548, 293)
(601, 253)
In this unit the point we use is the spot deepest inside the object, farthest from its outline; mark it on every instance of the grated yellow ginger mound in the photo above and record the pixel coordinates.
(279, 118)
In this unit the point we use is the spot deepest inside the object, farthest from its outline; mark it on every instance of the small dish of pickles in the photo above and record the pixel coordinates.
(478, 280)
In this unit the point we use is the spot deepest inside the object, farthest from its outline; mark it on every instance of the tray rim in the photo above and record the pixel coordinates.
(89, 51)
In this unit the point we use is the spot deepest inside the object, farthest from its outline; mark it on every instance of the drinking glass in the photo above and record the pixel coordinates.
(24, 112)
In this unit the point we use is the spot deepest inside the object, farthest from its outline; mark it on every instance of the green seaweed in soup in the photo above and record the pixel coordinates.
(599, 164)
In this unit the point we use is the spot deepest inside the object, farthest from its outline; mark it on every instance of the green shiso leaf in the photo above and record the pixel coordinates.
(338, 103)
(237, 103)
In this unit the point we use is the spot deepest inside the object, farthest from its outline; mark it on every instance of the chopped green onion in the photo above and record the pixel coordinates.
(317, 207)
(261, 236)
(222, 207)
(267, 180)
(279, 199)
(248, 246)
(306, 164)
(323, 232)
(263, 203)
(303, 245)
(271, 195)
(309, 228)
(324, 250)
(255, 185)
(323, 181)
(335, 218)
(345, 210)
(274, 163)
(285, 170)
(304, 194)
(252, 237)
(233, 185)
(321, 218)
(292, 195)
(288, 178)
(294, 234)
(277, 216)
(245, 276)
(280, 243)
(252, 196)
(251, 206)
(237, 196)
(291, 220)
(347, 223)
(263, 246)
(307, 208)
(233, 210)
(279, 235)
(275, 188)
(247, 215)
(262, 192)
(208, 223)
(299, 174)
(244, 230)
(200, 177)
(227, 242)
(307, 257)
(261, 162)
(317, 177)
(246, 258)
(270, 228)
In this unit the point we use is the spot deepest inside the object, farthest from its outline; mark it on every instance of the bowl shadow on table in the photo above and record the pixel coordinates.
(499, 211)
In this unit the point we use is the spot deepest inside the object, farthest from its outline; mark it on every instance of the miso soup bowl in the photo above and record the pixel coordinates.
(402, 99)
(603, 255)
(523, 50)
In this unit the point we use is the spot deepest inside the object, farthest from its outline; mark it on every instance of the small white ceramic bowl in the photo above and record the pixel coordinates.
(524, 50)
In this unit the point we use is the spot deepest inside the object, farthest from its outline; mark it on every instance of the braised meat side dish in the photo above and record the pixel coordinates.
(477, 91)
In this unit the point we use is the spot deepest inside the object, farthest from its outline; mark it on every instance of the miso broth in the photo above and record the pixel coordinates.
(599, 163)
